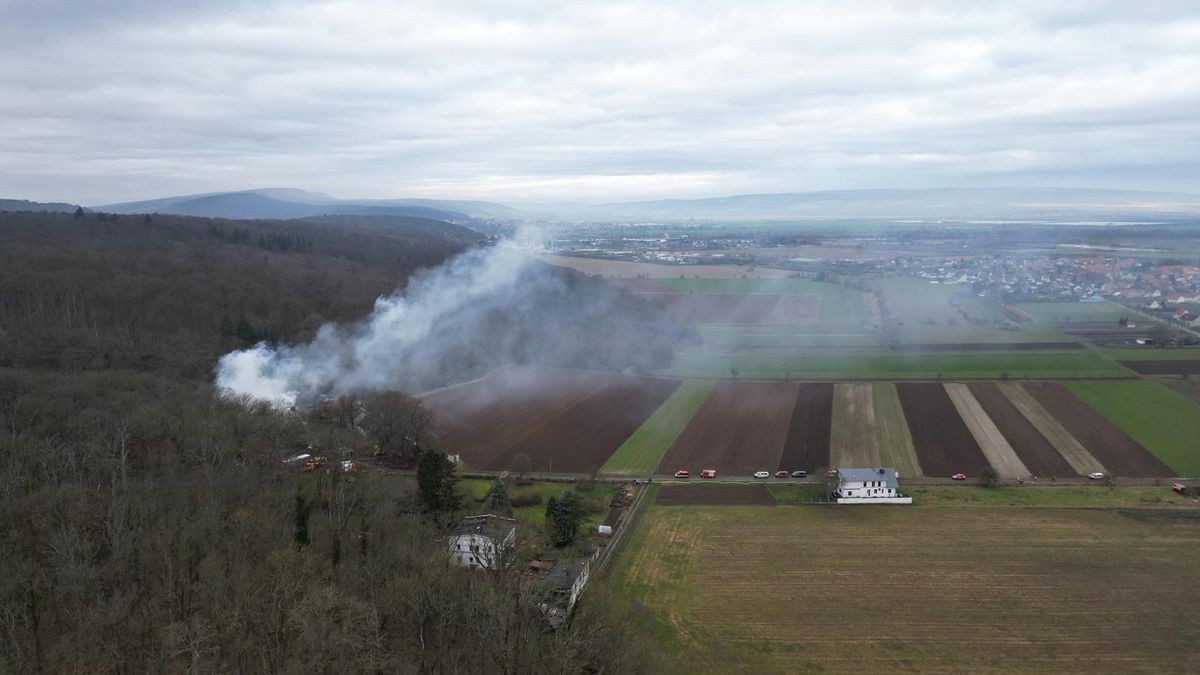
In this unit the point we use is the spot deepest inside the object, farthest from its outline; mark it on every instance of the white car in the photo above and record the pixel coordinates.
(1096, 475)
(762, 474)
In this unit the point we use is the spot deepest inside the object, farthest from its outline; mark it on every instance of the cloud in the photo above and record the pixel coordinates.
(595, 101)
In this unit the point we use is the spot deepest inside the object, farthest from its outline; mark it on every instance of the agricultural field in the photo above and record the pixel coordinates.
(1000, 455)
(916, 302)
(965, 333)
(1120, 454)
(626, 269)
(885, 364)
(1036, 453)
(1153, 354)
(807, 445)
(920, 589)
(542, 419)
(742, 427)
(1160, 420)
(944, 444)
(895, 442)
(1074, 312)
(739, 309)
(854, 439)
(642, 452)
(1187, 367)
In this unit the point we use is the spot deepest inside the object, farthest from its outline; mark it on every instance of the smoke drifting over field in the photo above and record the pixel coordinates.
(483, 308)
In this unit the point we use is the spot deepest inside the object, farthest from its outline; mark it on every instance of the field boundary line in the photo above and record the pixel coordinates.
(631, 518)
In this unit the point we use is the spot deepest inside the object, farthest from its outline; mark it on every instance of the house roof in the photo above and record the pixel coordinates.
(564, 574)
(887, 475)
(491, 526)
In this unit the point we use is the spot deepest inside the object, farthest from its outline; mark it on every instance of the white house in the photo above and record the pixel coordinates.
(483, 541)
(868, 486)
(563, 586)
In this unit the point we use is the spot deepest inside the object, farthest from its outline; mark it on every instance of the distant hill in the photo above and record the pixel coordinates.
(26, 205)
(277, 203)
(896, 203)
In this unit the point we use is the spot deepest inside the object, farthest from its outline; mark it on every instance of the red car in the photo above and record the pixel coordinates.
(781, 474)
(959, 476)
(682, 473)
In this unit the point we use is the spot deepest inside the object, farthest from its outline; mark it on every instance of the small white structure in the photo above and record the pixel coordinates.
(483, 542)
(868, 486)
(563, 587)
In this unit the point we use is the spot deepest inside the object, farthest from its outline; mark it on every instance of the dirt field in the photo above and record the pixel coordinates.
(994, 445)
(895, 442)
(1164, 367)
(584, 436)
(562, 421)
(719, 308)
(640, 285)
(481, 419)
(1072, 451)
(740, 429)
(1036, 453)
(700, 493)
(854, 442)
(1120, 454)
(807, 445)
(986, 346)
(944, 444)
(923, 589)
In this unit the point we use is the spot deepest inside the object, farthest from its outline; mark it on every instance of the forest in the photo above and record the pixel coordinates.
(150, 523)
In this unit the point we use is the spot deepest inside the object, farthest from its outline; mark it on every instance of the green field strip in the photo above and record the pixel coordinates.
(855, 363)
(1075, 312)
(1161, 420)
(1154, 354)
(640, 454)
(895, 442)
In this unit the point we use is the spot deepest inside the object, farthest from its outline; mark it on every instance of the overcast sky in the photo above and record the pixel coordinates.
(113, 100)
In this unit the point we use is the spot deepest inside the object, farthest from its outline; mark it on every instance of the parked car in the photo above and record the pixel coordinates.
(682, 473)
(708, 473)
(959, 476)
(781, 474)
(799, 473)
(762, 474)
(1096, 475)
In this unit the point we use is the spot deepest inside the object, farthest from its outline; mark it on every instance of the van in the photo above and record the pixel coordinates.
(708, 473)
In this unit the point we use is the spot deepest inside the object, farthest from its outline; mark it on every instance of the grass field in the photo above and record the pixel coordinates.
(895, 443)
(917, 302)
(641, 453)
(709, 285)
(1161, 420)
(1074, 312)
(933, 589)
(531, 519)
(867, 362)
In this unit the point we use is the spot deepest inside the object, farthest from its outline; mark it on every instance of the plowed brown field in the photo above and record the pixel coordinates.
(561, 420)
(1038, 455)
(740, 429)
(944, 444)
(700, 493)
(807, 445)
(1120, 454)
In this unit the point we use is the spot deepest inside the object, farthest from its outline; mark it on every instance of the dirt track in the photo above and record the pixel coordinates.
(699, 493)
(740, 429)
(807, 445)
(854, 441)
(944, 444)
(1120, 454)
(994, 445)
(1036, 453)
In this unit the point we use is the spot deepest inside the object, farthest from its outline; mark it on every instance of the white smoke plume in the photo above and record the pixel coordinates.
(482, 308)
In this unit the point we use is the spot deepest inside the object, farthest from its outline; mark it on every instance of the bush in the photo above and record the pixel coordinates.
(530, 499)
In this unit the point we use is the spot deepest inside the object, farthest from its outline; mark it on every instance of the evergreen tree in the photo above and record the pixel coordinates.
(301, 514)
(437, 483)
(566, 513)
(498, 502)
(78, 212)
